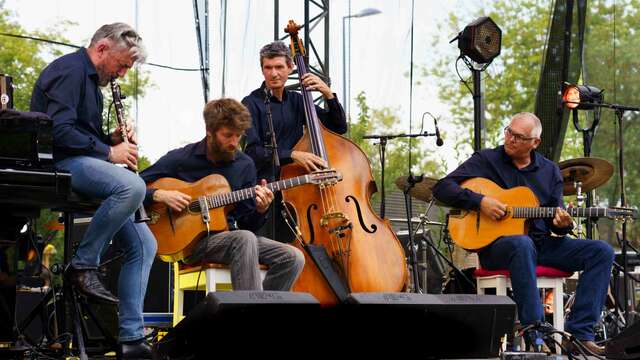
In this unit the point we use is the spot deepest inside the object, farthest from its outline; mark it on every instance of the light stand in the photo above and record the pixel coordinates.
(587, 140)
(479, 44)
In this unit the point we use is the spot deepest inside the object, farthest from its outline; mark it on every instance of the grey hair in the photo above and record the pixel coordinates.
(537, 125)
(124, 37)
(275, 49)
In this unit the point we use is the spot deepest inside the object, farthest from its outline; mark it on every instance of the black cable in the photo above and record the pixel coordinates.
(34, 38)
(462, 80)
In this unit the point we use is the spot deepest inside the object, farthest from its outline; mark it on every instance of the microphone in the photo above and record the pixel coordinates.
(439, 141)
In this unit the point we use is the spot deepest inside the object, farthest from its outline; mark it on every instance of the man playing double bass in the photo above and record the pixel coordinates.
(516, 163)
(287, 111)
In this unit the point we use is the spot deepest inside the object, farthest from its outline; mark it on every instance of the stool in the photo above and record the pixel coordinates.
(546, 278)
(214, 277)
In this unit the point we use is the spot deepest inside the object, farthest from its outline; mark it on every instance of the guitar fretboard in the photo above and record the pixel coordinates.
(219, 200)
(549, 212)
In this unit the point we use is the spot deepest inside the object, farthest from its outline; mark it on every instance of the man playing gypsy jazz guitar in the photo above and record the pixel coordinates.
(514, 164)
(189, 184)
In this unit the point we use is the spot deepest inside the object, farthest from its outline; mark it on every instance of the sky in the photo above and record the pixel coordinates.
(170, 114)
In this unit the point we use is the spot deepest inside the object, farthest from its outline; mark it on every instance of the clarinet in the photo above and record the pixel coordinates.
(141, 214)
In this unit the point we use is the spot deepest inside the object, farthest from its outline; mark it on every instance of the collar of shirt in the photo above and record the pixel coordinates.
(273, 98)
(533, 166)
(89, 67)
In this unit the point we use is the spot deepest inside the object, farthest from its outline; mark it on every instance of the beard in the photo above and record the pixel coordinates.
(103, 77)
(219, 153)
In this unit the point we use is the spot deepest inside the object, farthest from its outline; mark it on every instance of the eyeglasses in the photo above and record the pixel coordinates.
(517, 137)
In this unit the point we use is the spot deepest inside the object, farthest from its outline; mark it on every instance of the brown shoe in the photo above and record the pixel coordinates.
(589, 345)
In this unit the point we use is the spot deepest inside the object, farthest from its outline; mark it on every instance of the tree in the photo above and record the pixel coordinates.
(384, 121)
(510, 83)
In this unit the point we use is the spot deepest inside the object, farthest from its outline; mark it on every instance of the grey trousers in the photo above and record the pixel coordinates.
(243, 251)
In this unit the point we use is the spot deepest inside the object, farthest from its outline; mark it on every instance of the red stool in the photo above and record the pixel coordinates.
(547, 278)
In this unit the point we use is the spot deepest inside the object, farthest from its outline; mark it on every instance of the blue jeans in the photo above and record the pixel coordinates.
(520, 254)
(122, 192)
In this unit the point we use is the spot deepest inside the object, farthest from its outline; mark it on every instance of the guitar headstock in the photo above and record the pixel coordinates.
(622, 213)
(325, 177)
(296, 44)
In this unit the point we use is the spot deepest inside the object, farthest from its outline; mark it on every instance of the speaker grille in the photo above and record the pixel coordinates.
(481, 40)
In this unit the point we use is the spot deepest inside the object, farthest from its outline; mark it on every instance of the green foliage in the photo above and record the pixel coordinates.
(510, 83)
(143, 163)
(22, 59)
(385, 121)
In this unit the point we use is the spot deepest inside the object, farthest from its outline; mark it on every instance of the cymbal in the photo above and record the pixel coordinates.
(422, 189)
(592, 172)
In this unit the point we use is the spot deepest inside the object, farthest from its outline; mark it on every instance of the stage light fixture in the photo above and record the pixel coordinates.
(582, 97)
(480, 40)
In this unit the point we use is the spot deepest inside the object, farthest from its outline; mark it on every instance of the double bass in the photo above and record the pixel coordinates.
(362, 246)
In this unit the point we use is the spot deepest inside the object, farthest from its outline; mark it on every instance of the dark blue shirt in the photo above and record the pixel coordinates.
(67, 90)
(190, 164)
(542, 176)
(288, 121)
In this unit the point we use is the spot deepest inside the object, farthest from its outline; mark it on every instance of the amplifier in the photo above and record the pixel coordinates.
(6, 92)
(26, 139)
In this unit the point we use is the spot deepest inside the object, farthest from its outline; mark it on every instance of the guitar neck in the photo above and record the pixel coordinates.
(549, 212)
(219, 200)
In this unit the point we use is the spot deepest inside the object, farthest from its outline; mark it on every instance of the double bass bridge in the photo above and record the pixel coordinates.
(339, 228)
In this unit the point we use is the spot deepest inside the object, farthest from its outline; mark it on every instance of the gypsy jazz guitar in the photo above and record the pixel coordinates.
(178, 232)
(472, 230)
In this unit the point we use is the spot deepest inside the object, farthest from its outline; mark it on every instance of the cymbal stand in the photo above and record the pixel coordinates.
(428, 240)
(580, 197)
(413, 256)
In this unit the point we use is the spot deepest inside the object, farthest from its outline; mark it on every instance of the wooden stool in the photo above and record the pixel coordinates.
(546, 278)
(214, 277)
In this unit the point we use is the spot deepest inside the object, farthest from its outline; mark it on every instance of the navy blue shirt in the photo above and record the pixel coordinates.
(288, 121)
(542, 176)
(190, 164)
(67, 90)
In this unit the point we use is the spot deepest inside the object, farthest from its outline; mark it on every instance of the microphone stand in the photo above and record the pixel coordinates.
(412, 180)
(383, 145)
(275, 157)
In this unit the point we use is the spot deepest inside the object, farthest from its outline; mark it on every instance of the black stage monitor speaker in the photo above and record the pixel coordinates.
(434, 326)
(626, 345)
(481, 40)
(241, 322)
